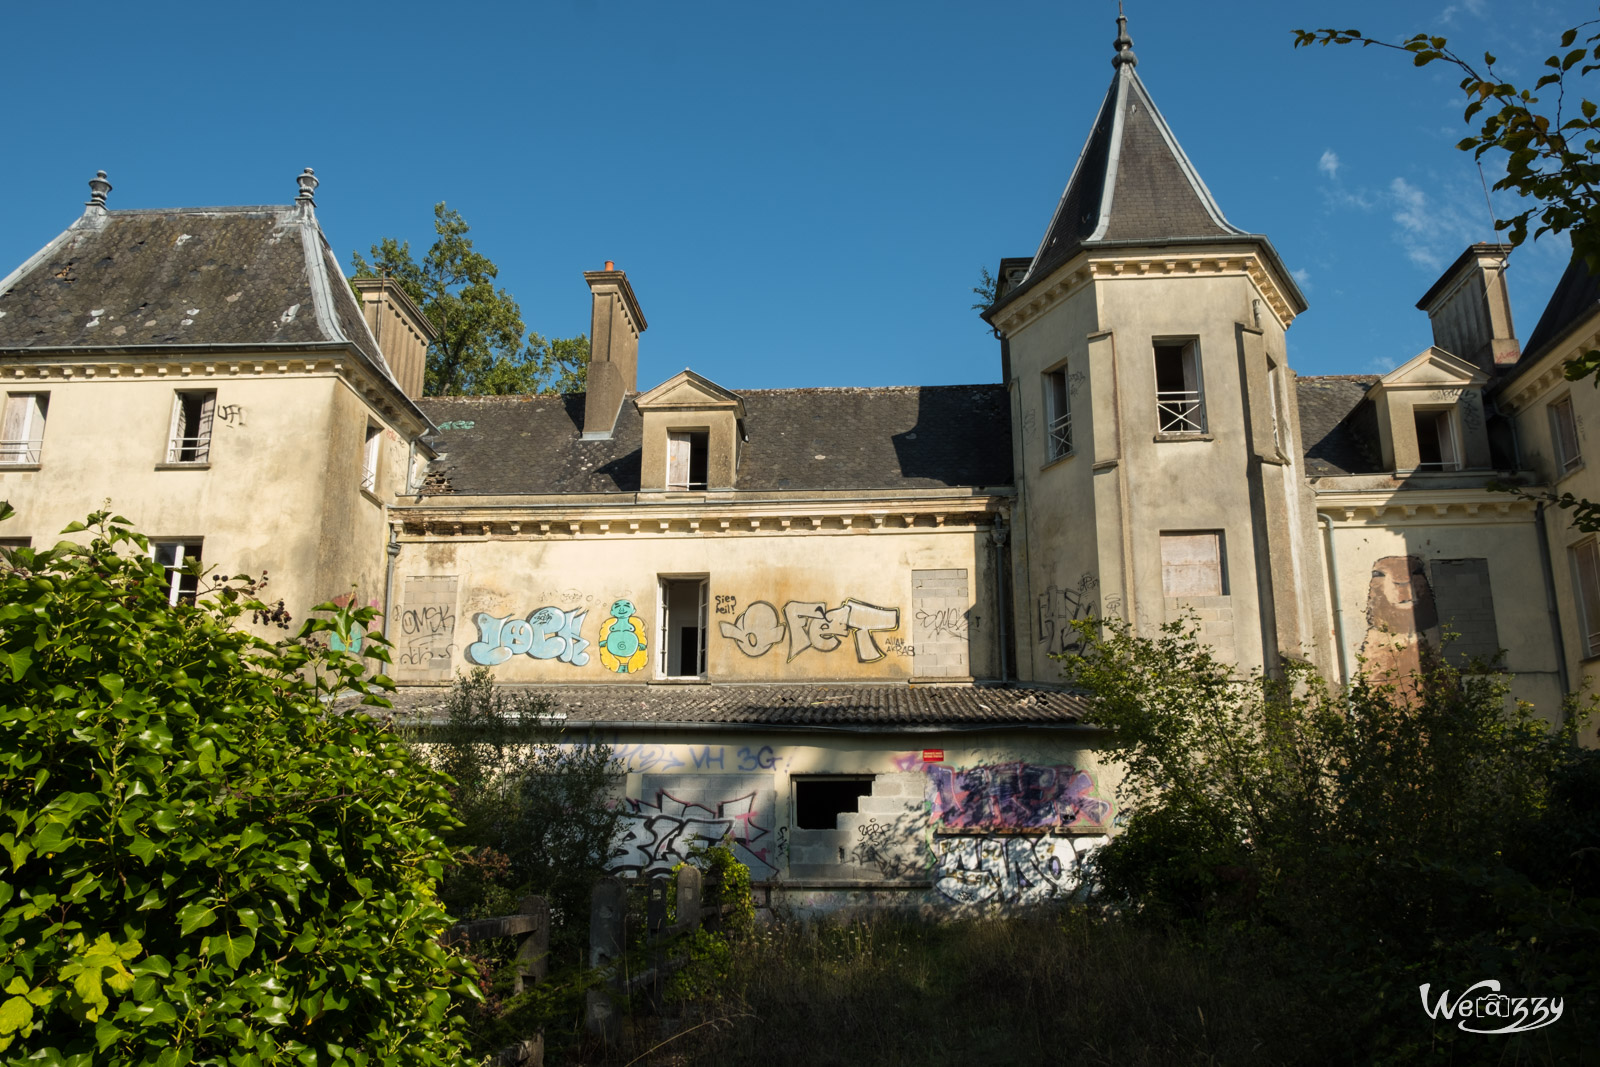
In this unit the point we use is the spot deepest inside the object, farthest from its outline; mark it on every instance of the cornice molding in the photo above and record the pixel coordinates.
(434, 522)
(1436, 507)
(1089, 266)
(1547, 371)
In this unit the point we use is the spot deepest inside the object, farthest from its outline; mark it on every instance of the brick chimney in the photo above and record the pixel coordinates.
(1471, 310)
(614, 328)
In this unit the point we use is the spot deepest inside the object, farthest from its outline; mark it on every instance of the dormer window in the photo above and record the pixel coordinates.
(688, 455)
(1438, 446)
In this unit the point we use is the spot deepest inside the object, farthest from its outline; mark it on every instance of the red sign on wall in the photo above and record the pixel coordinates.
(933, 755)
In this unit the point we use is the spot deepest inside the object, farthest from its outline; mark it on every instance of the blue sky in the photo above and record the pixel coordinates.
(801, 194)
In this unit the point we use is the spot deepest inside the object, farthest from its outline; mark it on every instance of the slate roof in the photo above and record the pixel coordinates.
(1338, 426)
(1133, 184)
(898, 437)
(252, 276)
(1576, 295)
(787, 705)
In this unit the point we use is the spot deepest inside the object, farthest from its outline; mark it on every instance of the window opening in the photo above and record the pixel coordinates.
(818, 802)
(1272, 401)
(369, 459)
(1436, 441)
(1564, 432)
(190, 439)
(1180, 406)
(173, 557)
(1058, 414)
(22, 433)
(1192, 564)
(1586, 572)
(682, 629)
(688, 453)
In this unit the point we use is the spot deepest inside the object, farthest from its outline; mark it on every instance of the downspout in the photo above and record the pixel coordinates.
(1550, 600)
(998, 536)
(1338, 607)
(388, 578)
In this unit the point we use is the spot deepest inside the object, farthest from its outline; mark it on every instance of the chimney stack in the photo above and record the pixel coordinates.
(1470, 309)
(98, 188)
(615, 324)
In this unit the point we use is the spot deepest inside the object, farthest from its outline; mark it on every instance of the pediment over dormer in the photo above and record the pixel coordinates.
(1432, 368)
(688, 390)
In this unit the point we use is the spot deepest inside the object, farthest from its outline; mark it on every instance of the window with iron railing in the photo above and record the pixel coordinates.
(1180, 399)
(1564, 433)
(1058, 415)
(22, 432)
(1437, 446)
(189, 440)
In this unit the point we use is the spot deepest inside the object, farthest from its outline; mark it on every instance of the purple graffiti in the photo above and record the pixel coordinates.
(1013, 796)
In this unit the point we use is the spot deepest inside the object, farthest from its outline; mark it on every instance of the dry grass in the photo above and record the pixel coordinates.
(1031, 989)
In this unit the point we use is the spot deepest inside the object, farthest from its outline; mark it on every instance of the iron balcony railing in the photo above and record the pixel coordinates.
(1180, 411)
(369, 479)
(189, 449)
(21, 451)
(1439, 465)
(1061, 436)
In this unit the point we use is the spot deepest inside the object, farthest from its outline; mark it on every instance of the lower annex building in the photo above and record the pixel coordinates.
(821, 621)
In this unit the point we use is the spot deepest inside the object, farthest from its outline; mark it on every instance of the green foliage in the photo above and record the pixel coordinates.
(726, 883)
(206, 864)
(1395, 832)
(536, 816)
(480, 349)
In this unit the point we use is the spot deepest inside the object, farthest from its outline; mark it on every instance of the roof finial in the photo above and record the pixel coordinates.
(98, 188)
(1123, 44)
(308, 187)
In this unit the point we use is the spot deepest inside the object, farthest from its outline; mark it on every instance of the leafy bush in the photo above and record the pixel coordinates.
(1391, 833)
(205, 864)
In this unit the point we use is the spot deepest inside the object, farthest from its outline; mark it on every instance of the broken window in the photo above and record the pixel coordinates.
(681, 631)
(1058, 414)
(1180, 405)
(22, 433)
(688, 454)
(1436, 440)
(190, 438)
(1192, 564)
(820, 800)
(369, 459)
(1564, 432)
(174, 558)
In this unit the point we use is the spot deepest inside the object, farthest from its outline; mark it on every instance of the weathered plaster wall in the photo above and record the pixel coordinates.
(953, 818)
(785, 606)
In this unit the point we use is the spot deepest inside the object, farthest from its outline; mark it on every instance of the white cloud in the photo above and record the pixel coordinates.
(1329, 163)
(1302, 278)
(1432, 233)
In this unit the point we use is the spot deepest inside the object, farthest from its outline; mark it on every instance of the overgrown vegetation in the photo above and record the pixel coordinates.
(536, 816)
(206, 865)
(1394, 833)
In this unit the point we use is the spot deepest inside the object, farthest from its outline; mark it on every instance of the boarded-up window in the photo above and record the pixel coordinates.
(1466, 608)
(1191, 564)
(1586, 574)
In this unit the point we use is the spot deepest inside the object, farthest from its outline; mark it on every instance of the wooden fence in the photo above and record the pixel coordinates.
(609, 937)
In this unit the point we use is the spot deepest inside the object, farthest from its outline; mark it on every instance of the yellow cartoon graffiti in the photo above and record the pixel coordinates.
(622, 644)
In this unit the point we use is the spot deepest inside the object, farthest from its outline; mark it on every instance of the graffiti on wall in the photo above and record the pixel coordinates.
(622, 643)
(1059, 608)
(1012, 869)
(1402, 618)
(811, 624)
(662, 826)
(547, 633)
(1013, 796)
(425, 647)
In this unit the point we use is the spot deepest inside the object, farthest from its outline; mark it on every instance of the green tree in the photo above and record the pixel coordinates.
(1548, 137)
(481, 348)
(206, 865)
(1398, 831)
